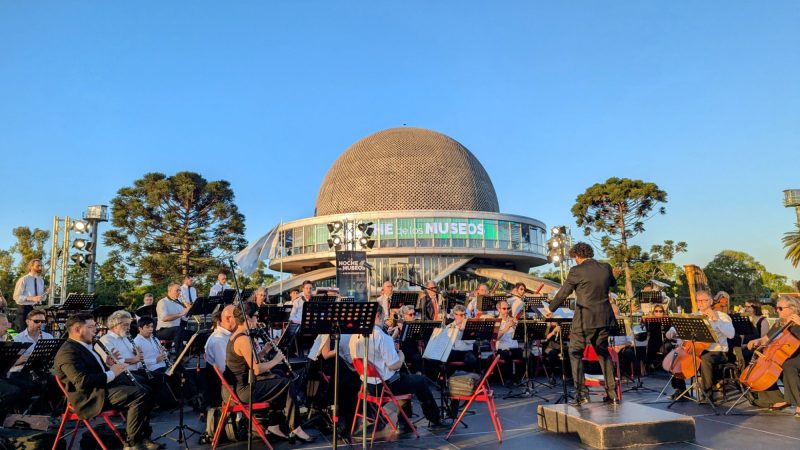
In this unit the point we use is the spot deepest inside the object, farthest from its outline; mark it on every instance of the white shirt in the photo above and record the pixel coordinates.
(28, 286)
(216, 346)
(217, 289)
(26, 337)
(296, 315)
(517, 305)
(385, 303)
(472, 306)
(150, 351)
(382, 353)
(109, 374)
(722, 327)
(113, 341)
(168, 307)
(506, 341)
(459, 345)
(188, 293)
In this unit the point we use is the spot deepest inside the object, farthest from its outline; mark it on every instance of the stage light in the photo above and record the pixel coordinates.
(366, 243)
(334, 227)
(555, 243)
(554, 231)
(80, 226)
(556, 259)
(79, 244)
(366, 228)
(79, 259)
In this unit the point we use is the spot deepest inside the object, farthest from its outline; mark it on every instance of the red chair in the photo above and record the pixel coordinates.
(234, 405)
(482, 394)
(385, 396)
(69, 414)
(589, 354)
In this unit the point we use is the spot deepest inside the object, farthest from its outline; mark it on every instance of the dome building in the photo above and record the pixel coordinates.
(433, 209)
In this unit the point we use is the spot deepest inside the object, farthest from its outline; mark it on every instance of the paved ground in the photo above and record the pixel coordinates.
(747, 428)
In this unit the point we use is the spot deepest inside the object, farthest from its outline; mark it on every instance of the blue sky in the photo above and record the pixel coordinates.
(701, 98)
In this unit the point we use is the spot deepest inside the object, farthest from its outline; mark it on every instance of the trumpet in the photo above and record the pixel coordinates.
(136, 352)
(127, 372)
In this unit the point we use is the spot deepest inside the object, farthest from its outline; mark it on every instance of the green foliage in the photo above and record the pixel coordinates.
(617, 210)
(791, 241)
(167, 227)
(30, 245)
(656, 265)
(8, 275)
(740, 275)
(552, 274)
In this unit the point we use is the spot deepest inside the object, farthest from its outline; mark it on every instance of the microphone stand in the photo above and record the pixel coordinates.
(254, 356)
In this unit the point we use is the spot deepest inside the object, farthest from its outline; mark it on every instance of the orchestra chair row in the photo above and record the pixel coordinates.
(234, 405)
(70, 415)
(382, 397)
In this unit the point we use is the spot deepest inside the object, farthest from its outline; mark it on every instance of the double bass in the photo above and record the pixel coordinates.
(766, 367)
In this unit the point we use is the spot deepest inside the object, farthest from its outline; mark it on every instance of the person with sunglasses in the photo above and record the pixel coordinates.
(506, 346)
(32, 333)
(788, 309)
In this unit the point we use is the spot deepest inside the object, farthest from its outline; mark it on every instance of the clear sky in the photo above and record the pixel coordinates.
(702, 98)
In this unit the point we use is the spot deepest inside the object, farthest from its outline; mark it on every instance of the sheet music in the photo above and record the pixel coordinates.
(560, 313)
(316, 348)
(441, 344)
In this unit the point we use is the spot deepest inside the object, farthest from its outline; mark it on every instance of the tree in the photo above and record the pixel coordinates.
(30, 245)
(740, 275)
(656, 264)
(8, 275)
(164, 227)
(791, 241)
(618, 209)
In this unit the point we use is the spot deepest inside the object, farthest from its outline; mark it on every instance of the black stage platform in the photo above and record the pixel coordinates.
(772, 430)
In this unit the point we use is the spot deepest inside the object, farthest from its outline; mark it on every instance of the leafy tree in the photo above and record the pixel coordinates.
(8, 275)
(617, 209)
(30, 245)
(791, 241)
(552, 274)
(742, 276)
(166, 227)
(656, 264)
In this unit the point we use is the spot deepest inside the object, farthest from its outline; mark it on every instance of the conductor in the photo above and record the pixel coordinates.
(590, 280)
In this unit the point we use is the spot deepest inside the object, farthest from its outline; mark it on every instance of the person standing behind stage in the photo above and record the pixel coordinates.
(429, 302)
(591, 281)
(28, 292)
(188, 292)
(296, 315)
(219, 287)
(385, 299)
(170, 313)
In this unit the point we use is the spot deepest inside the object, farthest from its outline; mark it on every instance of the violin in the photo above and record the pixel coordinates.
(766, 366)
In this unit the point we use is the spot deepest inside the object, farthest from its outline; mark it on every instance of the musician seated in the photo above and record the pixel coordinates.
(260, 297)
(409, 347)
(752, 308)
(656, 345)
(15, 390)
(216, 347)
(516, 302)
(268, 386)
(429, 302)
(715, 354)
(463, 351)
(388, 361)
(788, 309)
(92, 387)
(348, 382)
(551, 351)
(507, 348)
(171, 318)
(155, 359)
(472, 305)
(296, 315)
(32, 333)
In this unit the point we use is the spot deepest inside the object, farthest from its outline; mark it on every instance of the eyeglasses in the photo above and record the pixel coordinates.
(38, 320)
(780, 308)
(460, 314)
(502, 309)
(658, 311)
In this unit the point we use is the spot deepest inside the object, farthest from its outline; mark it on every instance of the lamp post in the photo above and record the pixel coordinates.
(94, 215)
(558, 249)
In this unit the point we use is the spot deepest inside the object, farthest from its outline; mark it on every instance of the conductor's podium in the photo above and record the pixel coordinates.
(628, 424)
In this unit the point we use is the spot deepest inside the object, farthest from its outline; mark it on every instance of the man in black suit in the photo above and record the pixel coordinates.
(92, 388)
(590, 280)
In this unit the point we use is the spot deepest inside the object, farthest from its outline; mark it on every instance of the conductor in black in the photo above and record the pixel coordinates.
(591, 281)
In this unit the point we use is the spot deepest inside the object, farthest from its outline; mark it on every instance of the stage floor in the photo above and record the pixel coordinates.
(746, 428)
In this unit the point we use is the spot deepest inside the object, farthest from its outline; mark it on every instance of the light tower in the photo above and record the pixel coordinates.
(791, 199)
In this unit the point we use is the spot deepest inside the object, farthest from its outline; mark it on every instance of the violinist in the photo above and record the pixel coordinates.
(472, 306)
(507, 348)
(716, 353)
(516, 302)
(463, 351)
(788, 309)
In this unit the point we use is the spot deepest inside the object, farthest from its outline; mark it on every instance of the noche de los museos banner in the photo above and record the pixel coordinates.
(351, 274)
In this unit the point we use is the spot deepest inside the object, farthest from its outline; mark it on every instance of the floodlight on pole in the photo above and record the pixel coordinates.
(80, 226)
(79, 244)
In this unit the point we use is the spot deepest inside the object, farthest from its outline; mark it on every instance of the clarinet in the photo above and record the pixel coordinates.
(147, 372)
(127, 372)
(164, 351)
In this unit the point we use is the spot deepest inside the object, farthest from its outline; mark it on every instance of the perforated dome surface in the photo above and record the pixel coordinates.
(406, 169)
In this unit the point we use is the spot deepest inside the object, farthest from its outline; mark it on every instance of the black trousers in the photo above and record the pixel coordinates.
(278, 391)
(791, 380)
(416, 385)
(138, 402)
(467, 357)
(175, 334)
(708, 360)
(597, 338)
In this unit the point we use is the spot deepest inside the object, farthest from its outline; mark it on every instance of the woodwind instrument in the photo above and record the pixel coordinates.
(127, 372)
(136, 352)
(268, 340)
(163, 351)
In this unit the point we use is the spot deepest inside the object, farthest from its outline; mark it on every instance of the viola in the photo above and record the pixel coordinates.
(767, 365)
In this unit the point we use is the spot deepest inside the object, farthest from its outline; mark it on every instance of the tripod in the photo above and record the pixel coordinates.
(528, 383)
(181, 428)
(565, 397)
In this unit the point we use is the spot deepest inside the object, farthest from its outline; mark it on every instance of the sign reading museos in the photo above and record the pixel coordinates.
(434, 228)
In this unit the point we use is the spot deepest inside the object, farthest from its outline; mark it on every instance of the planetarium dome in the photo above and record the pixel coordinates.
(406, 169)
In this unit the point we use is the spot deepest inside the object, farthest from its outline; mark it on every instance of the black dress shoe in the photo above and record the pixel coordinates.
(150, 445)
(611, 400)
(579, 400)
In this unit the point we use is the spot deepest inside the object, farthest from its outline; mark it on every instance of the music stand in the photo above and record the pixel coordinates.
(346, 299)
(566, 325)
(44, 352)
(403, 298)
(246, 294)
(488, 303)
(146, 311)
(335, 318)
(742, 325)
(228, 296)
(10, 353)
(203, 306)
(196, 341)
(694, 329)
(322, 298)
(533, 303)
(273, 314)
(79, 302)
(419, 330)
(528, 331)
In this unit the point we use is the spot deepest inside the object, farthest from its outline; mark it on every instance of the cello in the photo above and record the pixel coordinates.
(767, 365)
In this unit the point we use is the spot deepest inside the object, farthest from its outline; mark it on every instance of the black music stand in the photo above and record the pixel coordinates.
(10, 353)
(743, 325)
(480, 330)
(322, 298)
(419, 330)
(103, 311)
(528, 331)
(147, 311)
(79, 302)
(41, 359)
(399, 299)
(694, 329)
(346, 299)
(204, 306)
(488, 303)
(533, 303)
(194, 346)
(566, 325)
(334, 319)
(228, 296)
(274, 314)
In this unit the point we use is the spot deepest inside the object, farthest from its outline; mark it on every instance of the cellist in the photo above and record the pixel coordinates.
(788, 309)
(716, 353)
